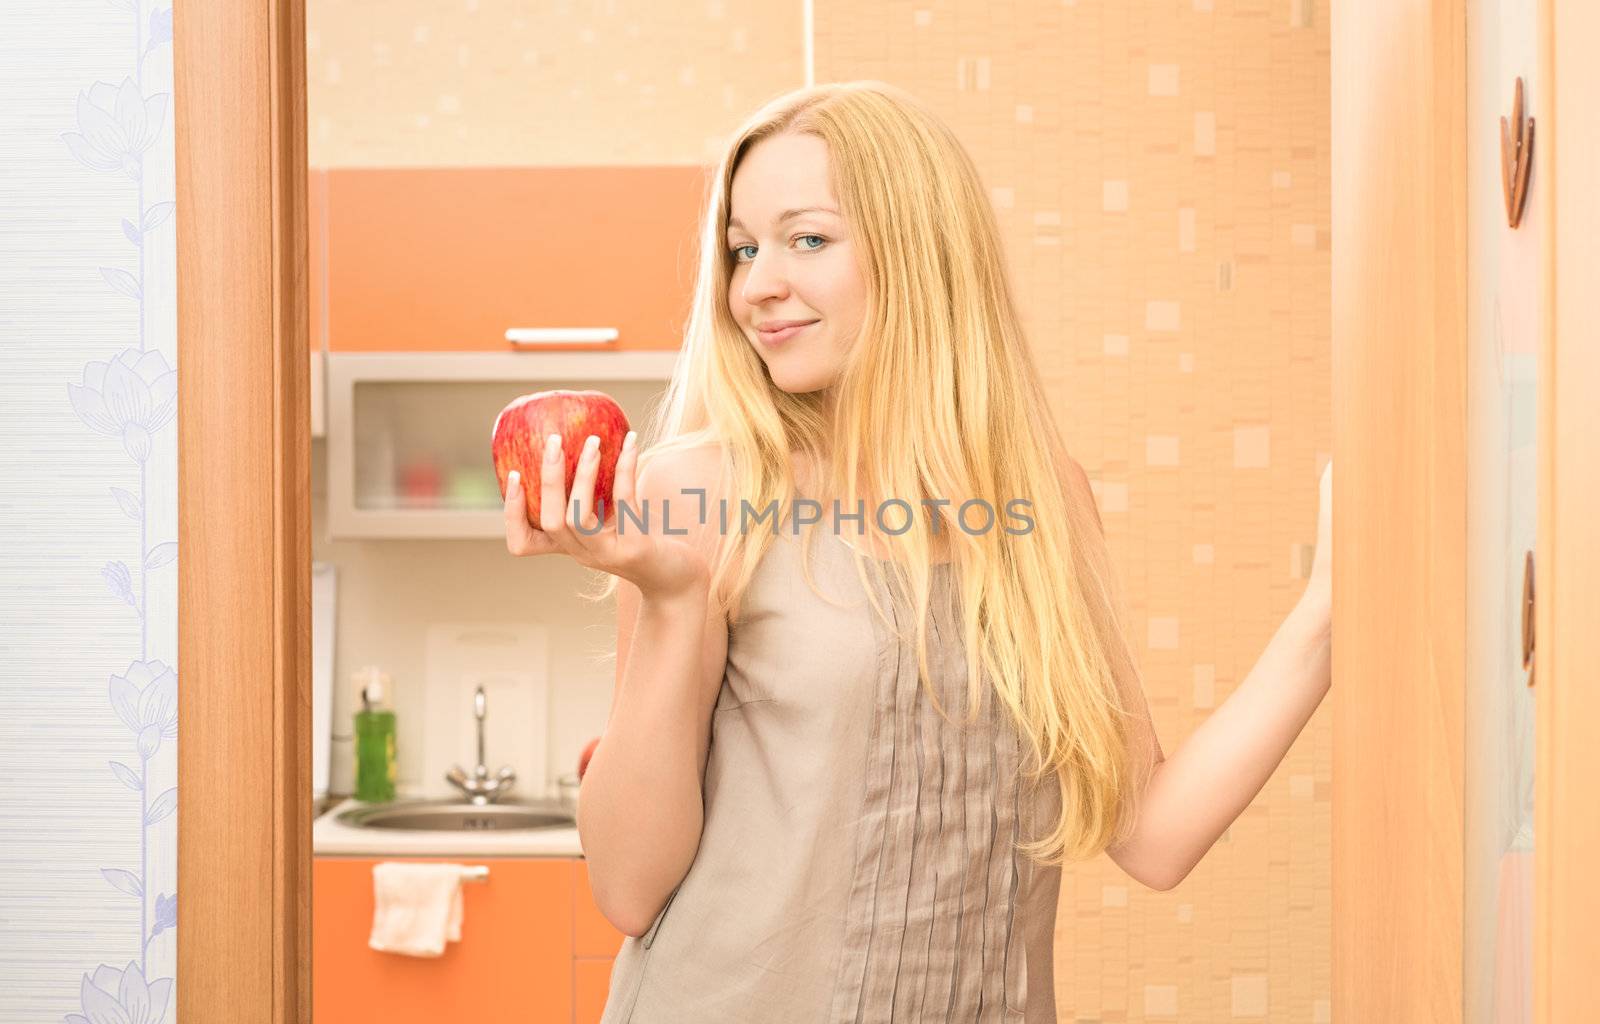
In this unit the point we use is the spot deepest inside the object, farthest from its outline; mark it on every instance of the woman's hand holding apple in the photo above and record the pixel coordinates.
(659, 565)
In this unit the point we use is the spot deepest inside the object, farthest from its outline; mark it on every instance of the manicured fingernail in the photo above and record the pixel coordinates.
(627, 442)
(512, 480)
(590, 446)
(552, 447)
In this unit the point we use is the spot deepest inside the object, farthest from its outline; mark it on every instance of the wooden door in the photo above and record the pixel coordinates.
(1566, 956)
(244, 497)
(1403, 763)
(1399, 432)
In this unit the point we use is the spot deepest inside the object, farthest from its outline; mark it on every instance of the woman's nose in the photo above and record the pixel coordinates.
(763, 281)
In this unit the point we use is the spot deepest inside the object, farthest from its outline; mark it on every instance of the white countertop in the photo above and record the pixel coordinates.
(331, 837)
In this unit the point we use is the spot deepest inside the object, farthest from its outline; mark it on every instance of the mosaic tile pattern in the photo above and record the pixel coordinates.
(410, 83)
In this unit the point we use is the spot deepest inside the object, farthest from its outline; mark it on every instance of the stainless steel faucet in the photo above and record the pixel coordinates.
(479, 787)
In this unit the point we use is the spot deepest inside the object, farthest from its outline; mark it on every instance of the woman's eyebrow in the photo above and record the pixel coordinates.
(734, 223)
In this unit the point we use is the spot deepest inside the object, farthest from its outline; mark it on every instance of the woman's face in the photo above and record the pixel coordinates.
(796, 268)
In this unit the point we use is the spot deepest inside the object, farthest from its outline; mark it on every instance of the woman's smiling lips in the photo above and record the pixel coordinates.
(783, 334)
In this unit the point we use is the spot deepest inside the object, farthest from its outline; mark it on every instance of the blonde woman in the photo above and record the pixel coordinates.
(873, 688)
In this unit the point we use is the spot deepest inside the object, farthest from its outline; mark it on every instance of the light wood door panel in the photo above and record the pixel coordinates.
(1399, 180)
(1567, 887)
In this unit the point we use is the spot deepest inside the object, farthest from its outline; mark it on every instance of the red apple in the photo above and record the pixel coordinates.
(583, 758)
(519, 436)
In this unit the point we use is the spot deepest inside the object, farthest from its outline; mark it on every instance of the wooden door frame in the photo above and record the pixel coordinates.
(1399, 320)
(244, 846)
(244, 499)
(1399, 77)
(1567, 700)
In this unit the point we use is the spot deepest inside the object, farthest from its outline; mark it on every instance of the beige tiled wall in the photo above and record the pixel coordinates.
(1161, 173)
(405, 83)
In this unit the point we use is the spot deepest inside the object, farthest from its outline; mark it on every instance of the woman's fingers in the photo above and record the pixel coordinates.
(1325, 511)
(1322, 557)
(581, 508)
(521, 537)
(555, 515)
(552, 488)
(626, 483)
(516, 514)
(571, 523)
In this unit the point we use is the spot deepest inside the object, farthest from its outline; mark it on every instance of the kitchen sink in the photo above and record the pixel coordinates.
(455, 816)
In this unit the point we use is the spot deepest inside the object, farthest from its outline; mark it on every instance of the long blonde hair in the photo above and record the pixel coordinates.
(939, 398)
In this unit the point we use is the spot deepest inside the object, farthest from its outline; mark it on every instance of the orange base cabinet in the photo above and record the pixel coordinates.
(591, 982)
(513, 964)
(534, 949)
(594, 944)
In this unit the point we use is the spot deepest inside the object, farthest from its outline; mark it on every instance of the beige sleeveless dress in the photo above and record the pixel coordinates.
(857, 862)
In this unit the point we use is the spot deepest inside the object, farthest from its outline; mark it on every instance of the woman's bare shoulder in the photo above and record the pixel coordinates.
(683, 484)
(673, 467)
(679, 486)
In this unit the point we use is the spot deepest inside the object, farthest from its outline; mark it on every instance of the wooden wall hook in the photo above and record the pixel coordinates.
(1516, 157)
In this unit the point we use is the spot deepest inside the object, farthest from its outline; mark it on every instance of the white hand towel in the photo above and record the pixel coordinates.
(417, 907)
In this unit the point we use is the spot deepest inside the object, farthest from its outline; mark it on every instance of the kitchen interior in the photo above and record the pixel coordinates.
(492, 213)
(481, 174)
(454, 690)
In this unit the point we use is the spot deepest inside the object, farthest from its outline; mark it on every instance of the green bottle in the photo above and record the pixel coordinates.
(375, 761)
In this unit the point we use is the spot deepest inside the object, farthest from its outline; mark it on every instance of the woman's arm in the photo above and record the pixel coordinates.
(641, 811)
(1195, 794)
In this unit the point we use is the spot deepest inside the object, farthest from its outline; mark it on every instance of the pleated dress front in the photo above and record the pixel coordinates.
(858, 861)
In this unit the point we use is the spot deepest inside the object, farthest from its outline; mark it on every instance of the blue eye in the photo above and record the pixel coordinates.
(740, 248)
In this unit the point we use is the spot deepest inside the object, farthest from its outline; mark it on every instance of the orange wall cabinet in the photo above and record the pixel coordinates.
(406, 259)
(533, 949)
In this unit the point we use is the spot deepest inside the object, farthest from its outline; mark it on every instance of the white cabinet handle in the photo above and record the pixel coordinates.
(561, 335)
